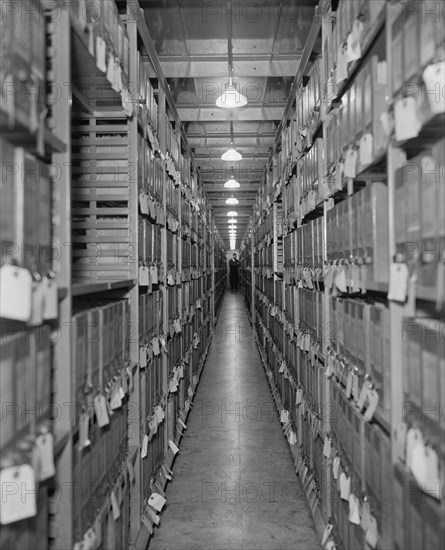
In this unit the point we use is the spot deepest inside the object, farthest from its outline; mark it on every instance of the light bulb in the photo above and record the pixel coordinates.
(231, 184)
(232, 213)
(233, 220)
(232, 200)
(231, 155)
(231, 98)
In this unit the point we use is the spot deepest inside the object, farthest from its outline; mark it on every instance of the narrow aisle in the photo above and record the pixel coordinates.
(234, 484)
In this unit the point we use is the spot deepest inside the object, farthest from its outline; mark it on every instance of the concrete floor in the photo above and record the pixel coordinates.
(234, 484)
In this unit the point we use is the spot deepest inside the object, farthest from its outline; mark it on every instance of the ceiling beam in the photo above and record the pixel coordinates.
(236, 135)
(213, 114)
(216, 67)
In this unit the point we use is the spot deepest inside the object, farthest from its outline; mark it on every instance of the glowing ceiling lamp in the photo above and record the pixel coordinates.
(232, 227)
(232, 200)
(231, 183)
(231, 98)
(232, 213)
(233, 220)
(231, 154)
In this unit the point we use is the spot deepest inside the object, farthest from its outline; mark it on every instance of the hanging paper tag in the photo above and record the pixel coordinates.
(341, 72)
(144, 446)
(398, 282)
(16, 505)
(115, 506)
(354, 510)
(326, 533)
(15, 293)
(101, 410)
(156, 501)
(143, 203)
(406, 120)
(110, 68)
(84, 430)
(153, 516)
(366, 149)
(115, 399)
(159, 414)
(174, 448)
(372, 534)
(345, 486)
(154, 274)
(350, 165)
(156, 347)
(373, 398)
(101, 51)
(434, 78)
(327, 447)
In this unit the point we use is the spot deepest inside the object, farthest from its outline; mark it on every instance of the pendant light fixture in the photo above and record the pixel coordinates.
(230, 98)
(231, 183)
(233, 220)
(231, 155)
(232, 213)
(232, 200)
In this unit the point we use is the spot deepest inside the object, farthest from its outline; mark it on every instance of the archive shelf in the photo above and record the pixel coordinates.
(331, 333)
(126, 196)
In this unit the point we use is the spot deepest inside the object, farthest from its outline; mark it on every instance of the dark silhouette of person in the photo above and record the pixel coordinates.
(234, 266)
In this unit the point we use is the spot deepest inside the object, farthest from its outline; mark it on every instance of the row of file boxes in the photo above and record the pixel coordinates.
(417, 38)
(25, 211)
(23, 55)
(102, 19)
(290, 197)
(101, 178)
(310, 174)
(311, 318)
(418, 519)
(360, 333)
(150, 315)
(309, 244)
(173, 143)
(419, 211)
(101, 348)
(423, 375)
(266, 226)
(308, 102)
(310, 379)
(148, 106)
(149, 242)
(26, 382)
(357, 229)
(360, 113)
(347, 13)
(150, 170)
(97, 468)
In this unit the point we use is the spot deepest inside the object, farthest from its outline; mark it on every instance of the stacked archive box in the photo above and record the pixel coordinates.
(355, 367)
(114, 257)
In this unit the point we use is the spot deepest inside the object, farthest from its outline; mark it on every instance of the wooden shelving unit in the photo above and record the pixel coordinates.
(124, 346)
(330, 326)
